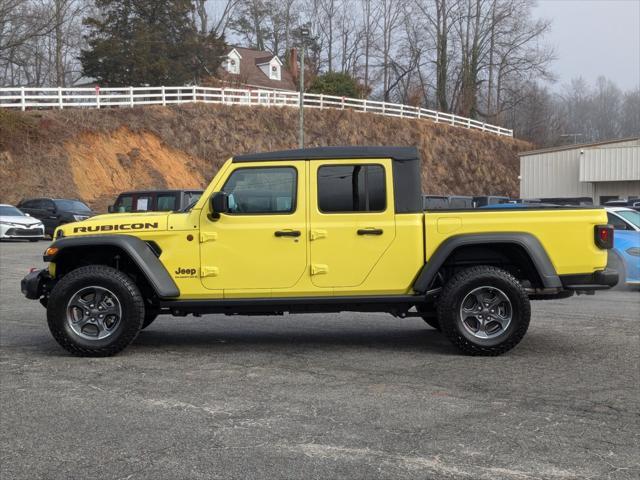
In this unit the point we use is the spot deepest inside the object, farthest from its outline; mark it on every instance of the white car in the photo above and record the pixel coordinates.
(15, 224)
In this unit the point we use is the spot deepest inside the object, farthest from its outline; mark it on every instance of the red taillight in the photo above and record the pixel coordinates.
(604, 236)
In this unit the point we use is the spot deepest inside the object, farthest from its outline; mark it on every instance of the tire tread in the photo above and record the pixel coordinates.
(447, 310)
(105, 272)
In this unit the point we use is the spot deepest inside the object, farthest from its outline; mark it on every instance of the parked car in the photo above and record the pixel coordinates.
(435, 202)
(443, 202)
(17, 224)
(625, 255)
(522, 205)
(633, 203)
(54, 212)
(319, 230)
(155, 201)
(577, 201)
(460, 202)
(481, 201)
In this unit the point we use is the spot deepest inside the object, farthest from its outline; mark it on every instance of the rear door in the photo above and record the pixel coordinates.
(352, 219)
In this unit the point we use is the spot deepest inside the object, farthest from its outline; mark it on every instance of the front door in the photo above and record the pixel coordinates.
(260, 244)
(352, 220)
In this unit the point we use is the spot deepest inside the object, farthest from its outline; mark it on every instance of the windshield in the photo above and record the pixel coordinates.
(631, 217)
(9, 211)
(72, 206)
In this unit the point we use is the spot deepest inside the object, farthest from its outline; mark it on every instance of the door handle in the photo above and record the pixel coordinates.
(370, 231)
(287, 233)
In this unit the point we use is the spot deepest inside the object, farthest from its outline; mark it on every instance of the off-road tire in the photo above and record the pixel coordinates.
(122, 287)
(453, 294)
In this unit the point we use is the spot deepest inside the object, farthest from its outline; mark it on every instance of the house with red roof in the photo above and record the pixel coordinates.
(257, 69)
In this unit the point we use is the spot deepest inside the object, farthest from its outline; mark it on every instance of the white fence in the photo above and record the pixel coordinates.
(30, 98)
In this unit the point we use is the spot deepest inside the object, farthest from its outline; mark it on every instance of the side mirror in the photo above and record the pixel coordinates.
(219, 203)
(26, 214)
(111, 208)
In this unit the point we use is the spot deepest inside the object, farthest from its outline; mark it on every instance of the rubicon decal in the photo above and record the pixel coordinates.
(114, 228)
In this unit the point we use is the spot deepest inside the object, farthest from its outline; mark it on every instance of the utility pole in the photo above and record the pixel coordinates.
(304, 33)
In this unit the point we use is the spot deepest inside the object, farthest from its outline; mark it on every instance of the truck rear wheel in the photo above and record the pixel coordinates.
(95, 311)
(484, 311)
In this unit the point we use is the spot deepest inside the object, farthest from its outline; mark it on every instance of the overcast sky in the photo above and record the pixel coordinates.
(594, 37)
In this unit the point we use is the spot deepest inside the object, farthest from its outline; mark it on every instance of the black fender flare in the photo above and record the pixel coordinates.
(528, 242)
(139, 252)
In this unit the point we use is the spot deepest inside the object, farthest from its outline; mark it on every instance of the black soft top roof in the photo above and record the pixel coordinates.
(325, 153)
(406, 167)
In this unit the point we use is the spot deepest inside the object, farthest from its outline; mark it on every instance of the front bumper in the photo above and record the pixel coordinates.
(600, 280)
(21, 231)
(36, 284)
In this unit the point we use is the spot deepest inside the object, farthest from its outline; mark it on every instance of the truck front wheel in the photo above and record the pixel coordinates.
(95, 311)
(484, 311)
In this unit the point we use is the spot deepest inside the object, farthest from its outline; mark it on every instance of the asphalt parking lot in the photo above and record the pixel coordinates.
(320, 396)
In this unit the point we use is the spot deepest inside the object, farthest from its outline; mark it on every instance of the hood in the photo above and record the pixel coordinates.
(19, 220)
(114, 223)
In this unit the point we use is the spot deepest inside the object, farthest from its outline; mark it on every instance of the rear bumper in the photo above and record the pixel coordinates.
(600, 280)
(35, 284)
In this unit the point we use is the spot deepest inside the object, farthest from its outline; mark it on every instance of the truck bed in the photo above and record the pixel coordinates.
(567, 233)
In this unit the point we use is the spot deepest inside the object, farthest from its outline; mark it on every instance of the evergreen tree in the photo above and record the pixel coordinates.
(148, 42)
(335, 83)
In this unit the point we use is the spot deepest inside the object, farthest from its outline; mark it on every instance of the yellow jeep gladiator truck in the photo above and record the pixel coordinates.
(326, 229)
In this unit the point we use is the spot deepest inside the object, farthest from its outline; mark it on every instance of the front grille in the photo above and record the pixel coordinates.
(24, 232)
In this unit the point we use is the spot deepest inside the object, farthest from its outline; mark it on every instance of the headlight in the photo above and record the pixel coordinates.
(11, 224)
(635, 251)
(79, 218)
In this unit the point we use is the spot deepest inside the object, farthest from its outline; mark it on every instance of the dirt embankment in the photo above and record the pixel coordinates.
(94, 154)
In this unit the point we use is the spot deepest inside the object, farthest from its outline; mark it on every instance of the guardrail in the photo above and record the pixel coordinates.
(87, 97)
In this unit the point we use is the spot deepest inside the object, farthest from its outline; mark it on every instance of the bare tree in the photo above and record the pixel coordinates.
(390, 17)
(40, 41)
(328, 9)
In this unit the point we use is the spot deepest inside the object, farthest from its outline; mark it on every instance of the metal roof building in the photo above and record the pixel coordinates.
(603, 171)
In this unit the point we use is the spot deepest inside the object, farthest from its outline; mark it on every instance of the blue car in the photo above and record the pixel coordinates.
(625, 255)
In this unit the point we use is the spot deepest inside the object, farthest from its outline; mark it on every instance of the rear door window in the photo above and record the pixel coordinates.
(351, 188)
(166, 202)
(144, 203)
